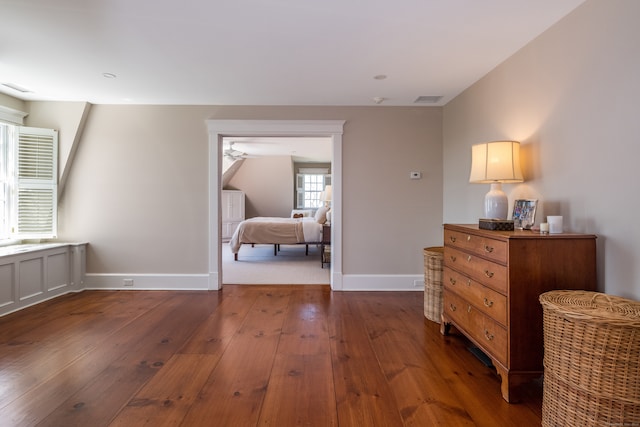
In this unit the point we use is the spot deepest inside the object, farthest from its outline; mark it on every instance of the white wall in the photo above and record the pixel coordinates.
(571, 97)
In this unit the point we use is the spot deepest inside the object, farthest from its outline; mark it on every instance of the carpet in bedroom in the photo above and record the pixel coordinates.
(258, 265)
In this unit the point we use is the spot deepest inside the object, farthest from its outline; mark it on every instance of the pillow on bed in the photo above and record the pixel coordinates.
(321, 215)
(301, 213)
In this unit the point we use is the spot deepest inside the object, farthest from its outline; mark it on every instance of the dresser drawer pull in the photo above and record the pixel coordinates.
(468, 309)
(488, 273)
(487, 335)
(452, 307)
(453, 239)
(468, 238)
(453, 259)
(469, 258)
(488, 303)
(452, 280)
(488, 248)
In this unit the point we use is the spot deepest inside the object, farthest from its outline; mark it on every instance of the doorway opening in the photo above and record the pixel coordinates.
(219, 129)
(275, 178)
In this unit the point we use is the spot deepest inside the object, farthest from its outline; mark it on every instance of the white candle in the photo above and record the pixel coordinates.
(544, 227)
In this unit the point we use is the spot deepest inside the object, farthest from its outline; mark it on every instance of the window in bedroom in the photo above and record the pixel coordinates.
(310, 184)
(28, 182)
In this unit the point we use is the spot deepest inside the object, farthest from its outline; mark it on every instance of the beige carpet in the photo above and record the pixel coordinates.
(258, 265)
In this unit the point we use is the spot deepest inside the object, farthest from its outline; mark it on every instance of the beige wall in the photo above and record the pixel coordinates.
(138, 188)
(268, 185)
(571, 97)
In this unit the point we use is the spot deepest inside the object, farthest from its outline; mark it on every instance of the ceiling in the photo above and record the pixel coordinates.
(261, 52)
(307, 149)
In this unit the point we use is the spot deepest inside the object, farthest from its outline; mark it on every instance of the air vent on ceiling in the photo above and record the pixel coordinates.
(16, 87)
(427, 99)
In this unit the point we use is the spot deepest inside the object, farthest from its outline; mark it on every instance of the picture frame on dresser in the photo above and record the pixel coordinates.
(524, 213)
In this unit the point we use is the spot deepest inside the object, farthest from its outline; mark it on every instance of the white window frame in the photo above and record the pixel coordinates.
(309, 196)
(30, 183)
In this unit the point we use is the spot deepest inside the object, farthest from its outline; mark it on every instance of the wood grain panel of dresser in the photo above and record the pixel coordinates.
(491, 284)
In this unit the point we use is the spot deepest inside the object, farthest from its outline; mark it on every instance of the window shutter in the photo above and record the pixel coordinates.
(37, 190)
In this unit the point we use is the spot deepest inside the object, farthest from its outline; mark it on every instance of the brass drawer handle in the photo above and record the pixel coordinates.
(452, 307)
(468, 238)
(469, 258)
(488, 248)
(468, 282)
(488, 303)
(468, 309)
(488, 273)
(452, 280)
(487, 335)
(453, 239)
(453, 259)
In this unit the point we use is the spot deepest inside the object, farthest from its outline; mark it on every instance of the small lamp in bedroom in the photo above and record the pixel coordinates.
(327, 201)
(495, 163)
(327, 195)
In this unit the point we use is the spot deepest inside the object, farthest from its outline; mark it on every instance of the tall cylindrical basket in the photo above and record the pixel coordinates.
(433, 258)
(591, 359)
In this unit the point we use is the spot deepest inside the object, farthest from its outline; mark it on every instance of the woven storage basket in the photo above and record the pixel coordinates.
(433, 282)
(591, 359)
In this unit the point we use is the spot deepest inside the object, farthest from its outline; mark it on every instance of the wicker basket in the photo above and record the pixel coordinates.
(433, 283)
(591, 359)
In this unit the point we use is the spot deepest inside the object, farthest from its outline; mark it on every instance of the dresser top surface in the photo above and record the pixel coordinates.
(515, 234)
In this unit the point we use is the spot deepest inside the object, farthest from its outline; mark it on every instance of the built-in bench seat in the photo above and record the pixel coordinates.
(35, 272)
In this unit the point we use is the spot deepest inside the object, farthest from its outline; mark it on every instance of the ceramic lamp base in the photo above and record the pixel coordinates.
(496, 203)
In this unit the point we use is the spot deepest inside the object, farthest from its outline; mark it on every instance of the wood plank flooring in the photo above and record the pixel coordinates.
(252, 355)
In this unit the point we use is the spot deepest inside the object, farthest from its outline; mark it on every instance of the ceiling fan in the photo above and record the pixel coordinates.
(232, 154)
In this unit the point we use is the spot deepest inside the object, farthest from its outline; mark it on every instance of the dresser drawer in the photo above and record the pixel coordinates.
(495, 250)
(485, 299)
(485, 332)
(486, 272)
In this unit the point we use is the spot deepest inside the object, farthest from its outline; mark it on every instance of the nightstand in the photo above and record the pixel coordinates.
(325, 245)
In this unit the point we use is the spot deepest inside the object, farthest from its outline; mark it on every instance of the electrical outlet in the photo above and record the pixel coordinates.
(128, 282)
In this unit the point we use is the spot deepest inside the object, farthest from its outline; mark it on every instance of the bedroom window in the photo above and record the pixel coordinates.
(309, 187)
(28, 183)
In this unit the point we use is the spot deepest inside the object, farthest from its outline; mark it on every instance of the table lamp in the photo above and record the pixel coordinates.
(495, 163)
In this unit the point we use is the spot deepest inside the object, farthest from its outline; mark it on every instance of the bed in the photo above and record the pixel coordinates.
(279, 231)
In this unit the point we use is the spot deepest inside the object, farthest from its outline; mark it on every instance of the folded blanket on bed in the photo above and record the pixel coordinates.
(271, 230)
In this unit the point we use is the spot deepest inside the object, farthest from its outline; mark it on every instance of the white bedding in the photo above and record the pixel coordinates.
(272, 230)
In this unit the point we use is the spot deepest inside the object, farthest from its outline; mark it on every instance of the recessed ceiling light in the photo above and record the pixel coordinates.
(380, 77)
(109, 75)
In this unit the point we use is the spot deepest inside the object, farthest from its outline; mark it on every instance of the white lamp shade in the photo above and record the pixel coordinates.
(497, 161)
(494, 163)
(327, 193)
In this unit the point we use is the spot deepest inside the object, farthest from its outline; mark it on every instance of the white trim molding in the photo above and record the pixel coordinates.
(12, 116)
(218, 129)
(380, 282)
(137, 282)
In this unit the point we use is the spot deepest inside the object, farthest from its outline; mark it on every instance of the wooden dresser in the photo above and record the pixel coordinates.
(491, 284)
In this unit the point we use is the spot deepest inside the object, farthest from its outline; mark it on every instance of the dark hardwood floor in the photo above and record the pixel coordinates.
(245, 356)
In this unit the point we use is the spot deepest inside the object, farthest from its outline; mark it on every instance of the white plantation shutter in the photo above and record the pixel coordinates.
(37, 189)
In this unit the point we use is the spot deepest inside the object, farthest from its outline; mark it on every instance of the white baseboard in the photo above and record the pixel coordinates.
(182, 282)
(380, 282)
(347, 282)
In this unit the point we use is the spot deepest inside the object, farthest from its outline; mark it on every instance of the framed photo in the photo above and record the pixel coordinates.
(524, 213)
